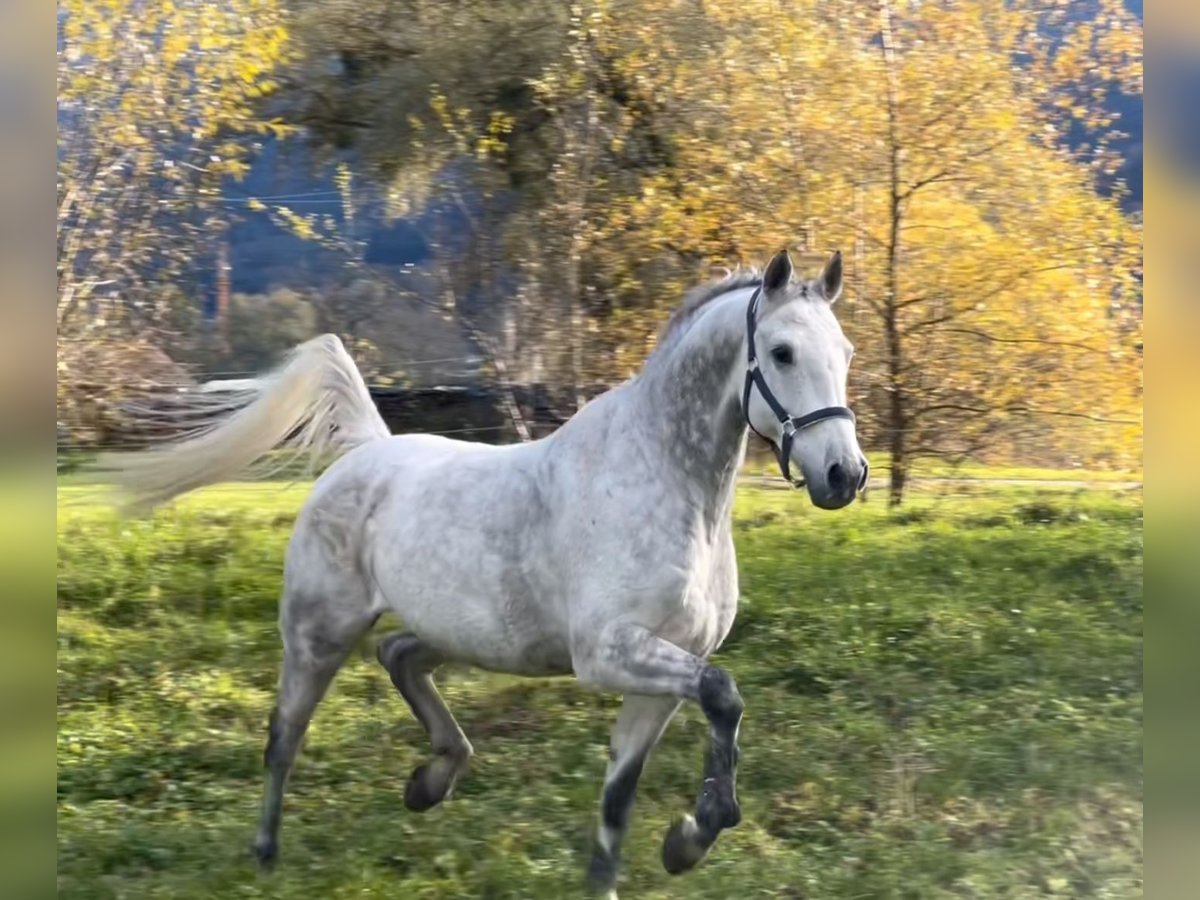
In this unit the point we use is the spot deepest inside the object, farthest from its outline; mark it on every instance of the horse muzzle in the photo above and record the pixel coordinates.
(839, 484)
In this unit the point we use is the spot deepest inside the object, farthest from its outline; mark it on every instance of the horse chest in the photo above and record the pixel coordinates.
(700, 610)
(718, 589)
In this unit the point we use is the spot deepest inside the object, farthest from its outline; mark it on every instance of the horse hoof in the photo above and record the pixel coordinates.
(419, 795)
(602, 875)
(433, 782)
(266, 853)
(683, 846)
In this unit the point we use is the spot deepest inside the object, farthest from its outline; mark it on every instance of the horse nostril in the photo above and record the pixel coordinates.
(862, 479)
(837, 478)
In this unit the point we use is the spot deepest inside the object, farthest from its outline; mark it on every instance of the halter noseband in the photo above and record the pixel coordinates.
(791, 424)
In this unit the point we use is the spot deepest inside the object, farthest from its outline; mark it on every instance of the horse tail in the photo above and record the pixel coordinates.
(315, 402)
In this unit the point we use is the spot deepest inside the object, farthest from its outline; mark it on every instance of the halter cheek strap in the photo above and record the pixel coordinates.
(791, 424)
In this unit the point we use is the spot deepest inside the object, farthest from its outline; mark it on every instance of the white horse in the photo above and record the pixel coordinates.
(604, 550)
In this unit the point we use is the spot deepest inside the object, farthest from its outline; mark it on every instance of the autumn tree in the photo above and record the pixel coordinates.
(1013, 302)
(513, 163)
(992, 287)
(152, 101)
(595, 158)
(157, 105)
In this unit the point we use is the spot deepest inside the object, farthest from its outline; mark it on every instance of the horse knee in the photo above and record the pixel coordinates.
(719, 698)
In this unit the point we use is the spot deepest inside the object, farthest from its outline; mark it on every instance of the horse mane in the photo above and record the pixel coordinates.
(700, 296)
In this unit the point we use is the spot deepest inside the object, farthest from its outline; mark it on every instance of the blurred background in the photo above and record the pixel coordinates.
(496, 205)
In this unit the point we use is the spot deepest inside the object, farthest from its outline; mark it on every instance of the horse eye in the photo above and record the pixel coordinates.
(782, 355)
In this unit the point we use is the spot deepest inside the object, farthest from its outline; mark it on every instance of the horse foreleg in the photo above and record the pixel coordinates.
(688, 840)
(631, 659)
(411, 663)
(639, 726)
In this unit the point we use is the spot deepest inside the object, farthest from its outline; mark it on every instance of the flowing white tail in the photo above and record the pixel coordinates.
(315, 401)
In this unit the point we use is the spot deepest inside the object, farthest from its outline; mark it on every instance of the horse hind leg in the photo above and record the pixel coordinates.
(411, 663)
(639, 726)
(314, 649)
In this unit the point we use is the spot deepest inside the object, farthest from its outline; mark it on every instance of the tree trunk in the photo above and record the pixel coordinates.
(581, 174)
(575, 316)
(897, 399)
(897, 449)
(897, 417)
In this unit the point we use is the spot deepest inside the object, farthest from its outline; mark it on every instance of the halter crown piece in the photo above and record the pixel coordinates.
(791, 424)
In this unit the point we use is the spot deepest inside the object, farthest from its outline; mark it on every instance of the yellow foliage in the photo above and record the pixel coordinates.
(1003, 276)
(151, 95)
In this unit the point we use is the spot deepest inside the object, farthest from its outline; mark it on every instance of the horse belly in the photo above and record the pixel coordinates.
(477, 606)
(504, 635)
(532, 651)
(456, 551)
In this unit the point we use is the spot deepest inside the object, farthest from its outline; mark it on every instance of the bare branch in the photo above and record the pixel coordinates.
(913, 301)
(1015, 408)
(983, 335)
(947, 173)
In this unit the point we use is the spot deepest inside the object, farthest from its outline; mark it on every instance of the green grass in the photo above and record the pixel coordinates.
(941, 702)
(761, 462)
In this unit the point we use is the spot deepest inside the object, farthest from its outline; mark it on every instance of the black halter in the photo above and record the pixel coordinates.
(791, 424)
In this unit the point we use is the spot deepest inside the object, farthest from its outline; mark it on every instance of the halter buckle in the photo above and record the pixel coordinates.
(789, 426)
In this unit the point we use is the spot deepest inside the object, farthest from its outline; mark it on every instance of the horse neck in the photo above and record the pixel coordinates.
(689, 393)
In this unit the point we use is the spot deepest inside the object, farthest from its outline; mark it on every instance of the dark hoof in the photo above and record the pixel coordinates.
(434, 781)
(683, 846)
(419, 794)
(266, 853)
(602, 873)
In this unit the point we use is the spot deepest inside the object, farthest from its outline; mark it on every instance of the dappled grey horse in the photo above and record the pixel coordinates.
(604, 550)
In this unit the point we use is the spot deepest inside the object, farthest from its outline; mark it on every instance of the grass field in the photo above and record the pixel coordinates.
(941, 702)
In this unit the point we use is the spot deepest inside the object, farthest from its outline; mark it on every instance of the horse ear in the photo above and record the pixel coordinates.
(830, 282)
(778, 273)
